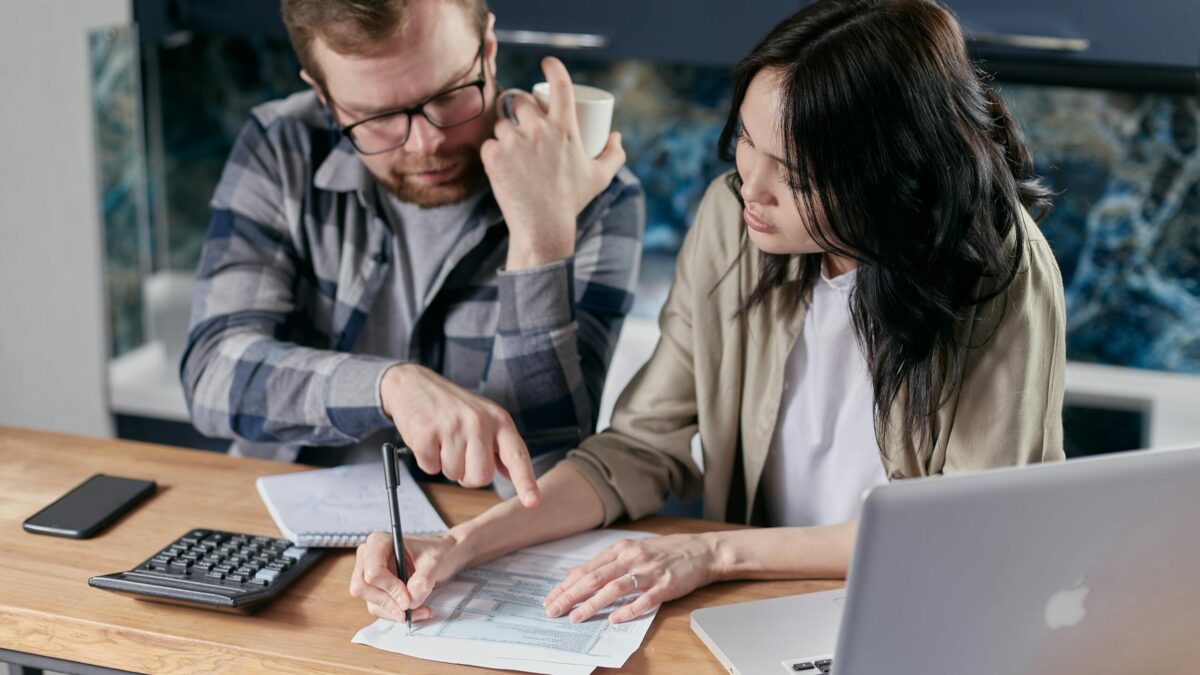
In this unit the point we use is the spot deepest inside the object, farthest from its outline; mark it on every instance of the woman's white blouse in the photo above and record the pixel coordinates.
(824, 455)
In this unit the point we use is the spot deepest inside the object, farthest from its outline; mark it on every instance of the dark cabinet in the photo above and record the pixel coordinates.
(1140, 33)
(687, 31)
(1131, 32)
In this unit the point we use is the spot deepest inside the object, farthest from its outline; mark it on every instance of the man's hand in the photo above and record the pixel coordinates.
(456, 432)
(430, 561)
(540, 174)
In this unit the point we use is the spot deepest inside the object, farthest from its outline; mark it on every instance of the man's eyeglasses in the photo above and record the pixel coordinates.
(389, 130)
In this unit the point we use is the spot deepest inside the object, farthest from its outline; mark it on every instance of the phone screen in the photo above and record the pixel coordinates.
(93, 504)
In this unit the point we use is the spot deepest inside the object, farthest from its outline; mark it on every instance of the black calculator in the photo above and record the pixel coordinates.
(215, 570)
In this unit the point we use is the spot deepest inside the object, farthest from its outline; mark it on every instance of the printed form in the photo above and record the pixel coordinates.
(492, 616)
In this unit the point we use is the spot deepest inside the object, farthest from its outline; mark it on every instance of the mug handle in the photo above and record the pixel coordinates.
(506, 106)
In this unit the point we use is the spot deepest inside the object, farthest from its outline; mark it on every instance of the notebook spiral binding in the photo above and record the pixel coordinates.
(339, 539)
(331, 539)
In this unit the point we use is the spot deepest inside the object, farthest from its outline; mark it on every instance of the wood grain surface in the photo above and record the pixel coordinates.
(47, 608)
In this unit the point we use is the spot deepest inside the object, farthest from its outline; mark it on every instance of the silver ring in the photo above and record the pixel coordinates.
(634, 577)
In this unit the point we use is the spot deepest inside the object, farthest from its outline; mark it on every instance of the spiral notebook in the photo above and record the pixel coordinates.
(342, 505)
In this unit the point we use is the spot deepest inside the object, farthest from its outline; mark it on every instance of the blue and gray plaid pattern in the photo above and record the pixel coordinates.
(297, 253)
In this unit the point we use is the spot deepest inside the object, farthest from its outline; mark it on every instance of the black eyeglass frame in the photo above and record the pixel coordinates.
(419, 109)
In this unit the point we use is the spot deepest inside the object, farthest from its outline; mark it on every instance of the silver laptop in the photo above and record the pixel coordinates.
(1086, 566)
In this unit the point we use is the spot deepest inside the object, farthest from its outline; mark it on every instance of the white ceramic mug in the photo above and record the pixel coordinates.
(593, 109)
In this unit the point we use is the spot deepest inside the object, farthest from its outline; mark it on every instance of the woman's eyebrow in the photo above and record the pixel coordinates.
(783, 162)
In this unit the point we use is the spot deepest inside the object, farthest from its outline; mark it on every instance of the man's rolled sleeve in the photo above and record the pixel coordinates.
(537, 299)
(558, 324)
(353, 399)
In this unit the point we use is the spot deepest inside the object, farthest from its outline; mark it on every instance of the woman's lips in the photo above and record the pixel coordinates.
(757, 224)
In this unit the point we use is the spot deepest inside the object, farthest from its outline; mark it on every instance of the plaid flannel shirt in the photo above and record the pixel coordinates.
(296, 254)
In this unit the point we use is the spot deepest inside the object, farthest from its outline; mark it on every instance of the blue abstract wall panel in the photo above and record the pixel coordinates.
(1126, 225)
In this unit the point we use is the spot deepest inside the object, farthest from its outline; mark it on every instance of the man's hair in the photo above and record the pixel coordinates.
(354, 27)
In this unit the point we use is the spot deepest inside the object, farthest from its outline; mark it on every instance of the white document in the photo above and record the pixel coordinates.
(342, 505)
(492, 616)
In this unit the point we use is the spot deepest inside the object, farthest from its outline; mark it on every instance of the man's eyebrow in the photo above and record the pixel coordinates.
(371, 111)
(746, 133)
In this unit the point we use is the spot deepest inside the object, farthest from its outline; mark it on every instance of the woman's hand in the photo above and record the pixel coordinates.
(666, 568)
(431, 560)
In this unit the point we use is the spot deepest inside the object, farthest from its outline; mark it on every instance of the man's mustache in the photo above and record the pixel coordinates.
(430, 163)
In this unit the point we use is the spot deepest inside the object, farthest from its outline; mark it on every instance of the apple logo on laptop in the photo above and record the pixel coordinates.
(1065, 608)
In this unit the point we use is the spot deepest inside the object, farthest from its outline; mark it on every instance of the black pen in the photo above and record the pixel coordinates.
(392, 476)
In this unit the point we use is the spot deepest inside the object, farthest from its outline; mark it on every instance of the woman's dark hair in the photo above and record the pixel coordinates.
(905, 160)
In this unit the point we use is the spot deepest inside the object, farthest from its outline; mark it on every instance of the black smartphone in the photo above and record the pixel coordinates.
(89, 507)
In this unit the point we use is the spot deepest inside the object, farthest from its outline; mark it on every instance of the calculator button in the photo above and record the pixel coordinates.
(267, 575)
(294, 552)
(236, 578)
(215, 575)
(180, 565)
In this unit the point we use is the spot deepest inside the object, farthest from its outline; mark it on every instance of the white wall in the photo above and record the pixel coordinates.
(53, 344)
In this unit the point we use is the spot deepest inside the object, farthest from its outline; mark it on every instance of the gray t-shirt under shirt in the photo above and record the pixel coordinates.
(420, 248)
(423, 241)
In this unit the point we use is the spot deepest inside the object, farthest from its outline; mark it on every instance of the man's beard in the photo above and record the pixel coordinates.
(470, 177)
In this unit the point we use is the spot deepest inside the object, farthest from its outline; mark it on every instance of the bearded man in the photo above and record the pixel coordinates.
(389, 256)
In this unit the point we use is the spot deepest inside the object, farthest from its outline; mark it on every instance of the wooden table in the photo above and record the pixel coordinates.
(48, 610)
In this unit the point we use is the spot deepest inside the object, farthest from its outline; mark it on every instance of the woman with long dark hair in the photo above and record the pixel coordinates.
(865, 298)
